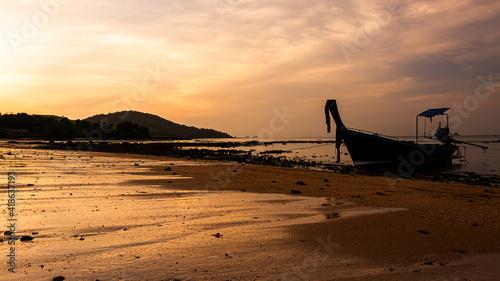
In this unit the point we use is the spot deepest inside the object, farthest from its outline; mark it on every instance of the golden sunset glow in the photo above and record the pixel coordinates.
(227, 64)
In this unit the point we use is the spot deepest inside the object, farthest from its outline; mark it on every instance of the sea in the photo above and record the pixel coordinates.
(322, 151)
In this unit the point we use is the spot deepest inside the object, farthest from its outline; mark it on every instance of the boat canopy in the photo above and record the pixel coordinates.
(433, 112)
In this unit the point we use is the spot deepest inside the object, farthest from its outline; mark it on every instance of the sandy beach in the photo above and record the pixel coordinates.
(104, 216)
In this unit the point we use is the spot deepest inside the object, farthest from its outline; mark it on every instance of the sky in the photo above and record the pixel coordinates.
(255, 68)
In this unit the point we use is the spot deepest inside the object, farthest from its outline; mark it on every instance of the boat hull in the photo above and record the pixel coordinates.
(367, 150)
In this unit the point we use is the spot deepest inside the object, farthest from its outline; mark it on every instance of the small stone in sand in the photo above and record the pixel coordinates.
(382, 194)
(332, 216)
(59, 278)
(301, 183)
(136, 164)
(30, 184)
(295, 191)
(423, 231)
(26, 238)
(167, 169)
(326, 180)
(7, 233)
(217, 235)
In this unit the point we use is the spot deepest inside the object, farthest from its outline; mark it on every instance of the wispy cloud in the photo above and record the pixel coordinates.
(226, 64)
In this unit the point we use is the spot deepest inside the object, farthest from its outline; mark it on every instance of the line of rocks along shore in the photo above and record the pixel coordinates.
(176, 150)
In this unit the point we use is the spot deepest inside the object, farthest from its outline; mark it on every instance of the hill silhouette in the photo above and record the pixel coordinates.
(158, 126)
(23, 125)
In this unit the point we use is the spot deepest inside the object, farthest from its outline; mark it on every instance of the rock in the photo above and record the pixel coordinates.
(423, 231)
(382, 194)
(217, 235)
(295, 191)
(301, 183)
(26, 238)
(167, 169)
(326, 180)
(136, 164)
(30, 184)
(59, 278)
(332, 216)
(7, 233)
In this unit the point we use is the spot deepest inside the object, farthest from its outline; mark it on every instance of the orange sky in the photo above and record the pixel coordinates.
(232, 64)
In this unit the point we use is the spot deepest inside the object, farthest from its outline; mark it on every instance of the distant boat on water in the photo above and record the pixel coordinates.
(373, 149)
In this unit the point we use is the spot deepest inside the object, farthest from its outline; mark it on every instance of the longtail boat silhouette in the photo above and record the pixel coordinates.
(373, 149)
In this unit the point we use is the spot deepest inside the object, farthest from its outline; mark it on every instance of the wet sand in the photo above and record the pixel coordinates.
(128, 217)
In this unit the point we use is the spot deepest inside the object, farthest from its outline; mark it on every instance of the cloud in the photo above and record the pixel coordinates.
(226, 64)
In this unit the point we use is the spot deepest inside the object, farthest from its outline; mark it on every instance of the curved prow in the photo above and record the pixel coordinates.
(331, 108)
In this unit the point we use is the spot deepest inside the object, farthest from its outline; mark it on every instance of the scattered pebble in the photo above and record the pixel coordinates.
(59, 278)
(301, 183)
(167, 169)
(217, 235)
(26, 238)
(332, 216)
(423, 231)
(295, 191)
(382, 194)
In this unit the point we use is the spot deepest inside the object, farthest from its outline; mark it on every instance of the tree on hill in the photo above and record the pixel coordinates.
(50, 127)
